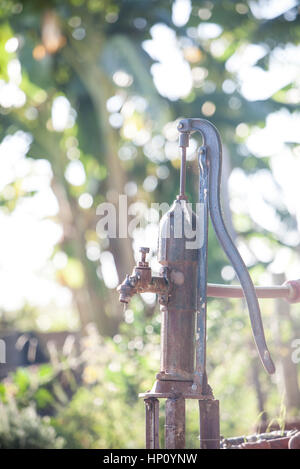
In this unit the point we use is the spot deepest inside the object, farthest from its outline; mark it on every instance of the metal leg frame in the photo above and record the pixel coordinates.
(175, 423)
(209, 424)
(152, 423)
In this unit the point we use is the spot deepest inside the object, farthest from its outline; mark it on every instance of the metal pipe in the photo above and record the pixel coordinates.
(183, 144)
(152, 423)
(209, 424)
(290, 291)
(182, 173)
(235, 291)
(175, 423)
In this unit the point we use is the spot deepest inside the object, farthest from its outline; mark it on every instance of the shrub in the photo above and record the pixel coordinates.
(25, 429)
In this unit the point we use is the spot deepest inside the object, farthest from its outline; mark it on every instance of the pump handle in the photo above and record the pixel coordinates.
(212, 142)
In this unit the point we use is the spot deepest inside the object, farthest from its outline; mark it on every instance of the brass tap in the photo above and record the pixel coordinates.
(141, 281)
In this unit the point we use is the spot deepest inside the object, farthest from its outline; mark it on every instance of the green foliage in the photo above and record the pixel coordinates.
(25, 429)
(100, 417)
(103, 409)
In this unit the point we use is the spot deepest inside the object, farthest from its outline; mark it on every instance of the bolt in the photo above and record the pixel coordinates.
(180, 125)
(144, 251)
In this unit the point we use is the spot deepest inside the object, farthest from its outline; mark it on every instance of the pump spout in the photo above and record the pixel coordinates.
(126, 290)
(142, 281)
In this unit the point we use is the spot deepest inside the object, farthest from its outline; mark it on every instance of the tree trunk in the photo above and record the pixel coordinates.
(100, 90)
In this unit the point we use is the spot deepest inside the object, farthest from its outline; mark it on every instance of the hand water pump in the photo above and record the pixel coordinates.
(182, 290)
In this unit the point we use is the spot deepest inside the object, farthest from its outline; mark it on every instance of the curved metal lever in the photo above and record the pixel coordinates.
(212, 142)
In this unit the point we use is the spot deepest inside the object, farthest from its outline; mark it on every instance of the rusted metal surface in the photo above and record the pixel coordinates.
(290, 291)
(142, 280)
(175, 423)
(286, 291)
(152, 423)
(200, 368)
(294, 285)
(212, 142)
(209, 424)
(278, 443)
(294, 442)
(182, 290)
(271, 440)
(163, 388)
(178, 314)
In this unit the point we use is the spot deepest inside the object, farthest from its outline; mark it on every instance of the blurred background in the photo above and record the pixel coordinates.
(90, 95)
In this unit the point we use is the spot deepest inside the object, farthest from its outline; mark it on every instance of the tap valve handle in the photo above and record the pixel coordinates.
(144, 252)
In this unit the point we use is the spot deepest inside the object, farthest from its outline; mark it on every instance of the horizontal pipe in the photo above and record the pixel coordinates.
(289, 291)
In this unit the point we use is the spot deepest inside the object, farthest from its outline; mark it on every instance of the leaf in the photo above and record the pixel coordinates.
(22, 379)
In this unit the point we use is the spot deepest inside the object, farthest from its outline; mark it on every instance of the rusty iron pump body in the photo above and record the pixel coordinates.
(182, 290)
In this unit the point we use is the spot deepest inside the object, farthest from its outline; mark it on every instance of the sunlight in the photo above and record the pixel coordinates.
(27, 238)
(181, 11)
(171, 74)
(62, 114)
(108, 269)
(75, 173)
(269, 9)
